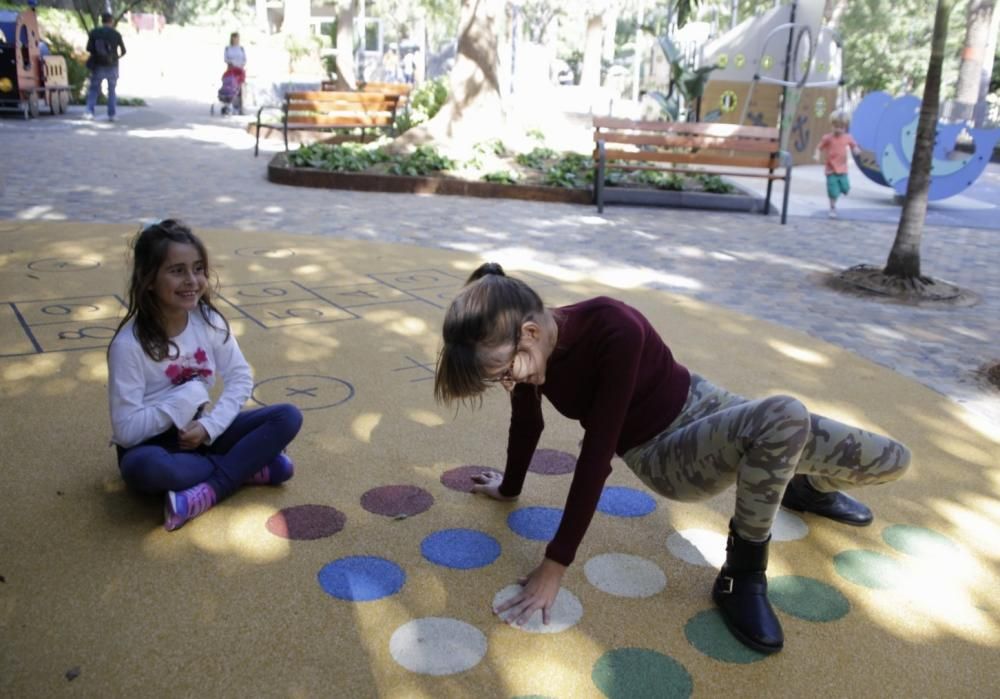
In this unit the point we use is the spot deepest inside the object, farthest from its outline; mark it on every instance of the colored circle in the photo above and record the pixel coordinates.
(397, 500)
(273, 253)
(707, 632)
(57, 264)
(552, 462)
(624, 575)
(629, 673)
(305, 391)
(619, 501)
(820, 107)
(361, 578)
(565, 612)
(728, 101)
(722, 61)
(919, 542)
(807, 598)
(306, 522)
(437, 646)
(537, 523)
(868, 568)
(460, 478)
(460, 548)
(766, 62)
(699, 547)
(788, 527)
(739, 60)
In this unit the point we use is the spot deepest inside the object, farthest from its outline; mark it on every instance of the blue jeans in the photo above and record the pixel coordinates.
(98, 75)
(254, 440)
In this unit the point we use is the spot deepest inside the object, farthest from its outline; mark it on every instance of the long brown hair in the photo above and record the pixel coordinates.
(487, 313)
(149, 249)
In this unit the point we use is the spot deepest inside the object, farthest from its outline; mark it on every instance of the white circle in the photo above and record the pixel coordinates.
(437, 646)
(623, 575)
(788, 527)
(566, 611)
(698, 547)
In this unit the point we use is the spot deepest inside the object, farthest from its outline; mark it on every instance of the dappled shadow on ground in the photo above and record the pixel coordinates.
(349, 331)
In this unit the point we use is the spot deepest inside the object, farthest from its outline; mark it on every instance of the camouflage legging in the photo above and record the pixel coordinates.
(721, 438)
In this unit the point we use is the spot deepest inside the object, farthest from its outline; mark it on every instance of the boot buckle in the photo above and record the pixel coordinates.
(726, 588)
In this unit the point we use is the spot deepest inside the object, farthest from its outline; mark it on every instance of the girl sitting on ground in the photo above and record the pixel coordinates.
(162, 362)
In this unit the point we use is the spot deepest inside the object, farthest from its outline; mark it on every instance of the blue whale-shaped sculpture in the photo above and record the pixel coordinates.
(886, 130)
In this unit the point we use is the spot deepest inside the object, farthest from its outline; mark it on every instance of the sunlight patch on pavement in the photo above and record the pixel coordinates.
(45, 213)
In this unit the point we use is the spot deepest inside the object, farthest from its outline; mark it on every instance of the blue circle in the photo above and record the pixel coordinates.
(361, 578)
(625, 502)
(538, 523)
(460, 548)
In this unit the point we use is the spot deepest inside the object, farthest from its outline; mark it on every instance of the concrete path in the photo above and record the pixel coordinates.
(173, 159)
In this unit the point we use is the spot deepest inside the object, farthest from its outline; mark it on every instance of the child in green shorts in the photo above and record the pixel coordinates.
(834, 146)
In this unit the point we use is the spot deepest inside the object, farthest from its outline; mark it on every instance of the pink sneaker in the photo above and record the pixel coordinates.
(183, 505)
(276, 472)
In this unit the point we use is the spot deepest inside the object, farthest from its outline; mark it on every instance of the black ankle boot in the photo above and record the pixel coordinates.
(740, 592)
(802, 497)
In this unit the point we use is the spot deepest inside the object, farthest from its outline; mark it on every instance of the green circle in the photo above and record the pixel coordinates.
(707, 632)
(807, 599)
(766, 62)
(868, 568)
(919, 541)
(722, 61)
(633, 673)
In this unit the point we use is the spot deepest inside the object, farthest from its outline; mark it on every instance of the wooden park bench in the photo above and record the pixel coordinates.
(691, 148)
(330, 111)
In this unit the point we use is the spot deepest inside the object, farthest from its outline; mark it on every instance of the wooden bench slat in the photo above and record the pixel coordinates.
(339, 107)
(703, 158)
(701, 142)
(696, 127)
(359, 120)
(690, 171)
(320, 96)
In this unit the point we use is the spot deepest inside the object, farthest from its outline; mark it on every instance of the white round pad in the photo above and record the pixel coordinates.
(624, 575)
(437, 646)
(698, 547)
(565, 613)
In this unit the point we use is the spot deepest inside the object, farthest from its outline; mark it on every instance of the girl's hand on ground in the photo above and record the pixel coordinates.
(538, 592)
(192, 435)
(488, 483)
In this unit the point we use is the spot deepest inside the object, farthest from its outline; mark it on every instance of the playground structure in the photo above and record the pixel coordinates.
(886, 130)
(779, 69)
(27, 78)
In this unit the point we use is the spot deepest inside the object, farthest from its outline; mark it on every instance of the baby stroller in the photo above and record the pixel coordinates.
(231, 92)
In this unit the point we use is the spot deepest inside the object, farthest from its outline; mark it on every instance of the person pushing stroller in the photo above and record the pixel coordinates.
(231, 90)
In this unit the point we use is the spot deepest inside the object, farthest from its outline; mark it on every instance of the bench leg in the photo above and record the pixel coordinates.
(599, 178)
(767, 197)
(784, 202)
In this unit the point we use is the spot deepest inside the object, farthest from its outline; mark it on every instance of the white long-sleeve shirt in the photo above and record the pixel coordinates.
(147, 397)
(235, 55)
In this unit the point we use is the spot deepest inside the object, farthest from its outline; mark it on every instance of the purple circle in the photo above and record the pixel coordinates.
(305, 522)
(460, 478)
(397, 500)
(552, 462)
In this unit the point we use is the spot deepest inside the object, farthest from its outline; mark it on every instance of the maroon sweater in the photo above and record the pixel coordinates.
(611, 371)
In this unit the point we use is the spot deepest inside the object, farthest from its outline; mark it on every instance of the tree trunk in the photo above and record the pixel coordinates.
(904, 259)
(970, 72)
(474, 109)
(346, 74)
(833, 11)
(590, 75)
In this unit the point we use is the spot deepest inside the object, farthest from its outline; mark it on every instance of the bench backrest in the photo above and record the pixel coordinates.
(698, 143)
(325, 108)
(401, 89)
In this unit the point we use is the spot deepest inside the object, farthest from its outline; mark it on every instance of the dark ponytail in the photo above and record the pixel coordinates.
(487, 314)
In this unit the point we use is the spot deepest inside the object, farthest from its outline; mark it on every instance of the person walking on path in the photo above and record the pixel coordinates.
(833, 147)
(105, 46)
(601, 362)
